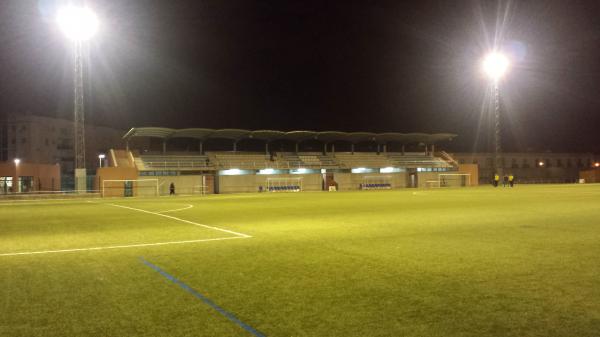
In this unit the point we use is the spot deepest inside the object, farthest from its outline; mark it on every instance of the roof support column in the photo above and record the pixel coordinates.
(333, 148)
(266, 147)
(201, 147)
(324, 148)
(378, 148)
(164, 143)
(297, 147)
(352, 147)
(385, 148)
(403, 149)
(127, 145)
(432, 150)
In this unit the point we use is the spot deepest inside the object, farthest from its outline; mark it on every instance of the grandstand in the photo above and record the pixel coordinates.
(392, 160)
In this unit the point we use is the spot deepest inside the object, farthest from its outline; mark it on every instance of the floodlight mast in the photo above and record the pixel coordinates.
(78, 24)
(495, 66)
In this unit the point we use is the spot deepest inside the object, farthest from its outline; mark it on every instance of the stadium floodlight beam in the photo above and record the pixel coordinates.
(495, 65)
(78, 24)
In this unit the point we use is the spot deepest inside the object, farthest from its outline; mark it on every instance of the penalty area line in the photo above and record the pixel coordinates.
(120, 246)
(183, 220)
(177, 209)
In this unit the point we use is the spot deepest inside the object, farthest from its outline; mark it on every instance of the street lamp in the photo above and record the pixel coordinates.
(495, 65)
(100, 157)
(78, 24)
(16, 181)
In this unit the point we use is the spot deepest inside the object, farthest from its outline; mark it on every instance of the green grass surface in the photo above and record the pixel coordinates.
(456, 262)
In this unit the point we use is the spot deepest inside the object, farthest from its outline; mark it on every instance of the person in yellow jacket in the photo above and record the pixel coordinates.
(511, 180)
(496, 179)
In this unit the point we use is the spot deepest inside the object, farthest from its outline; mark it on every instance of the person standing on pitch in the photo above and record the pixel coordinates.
(496, 179)
(172, 189)
(511, 180)
(505, 181)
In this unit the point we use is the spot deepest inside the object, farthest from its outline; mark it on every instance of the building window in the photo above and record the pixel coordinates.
(514, 163)
(559, 163)
(548, 163)
(525, 164)
(569, 163)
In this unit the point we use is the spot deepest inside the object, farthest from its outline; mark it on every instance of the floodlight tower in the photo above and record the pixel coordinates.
(495, 66)
(78, 24)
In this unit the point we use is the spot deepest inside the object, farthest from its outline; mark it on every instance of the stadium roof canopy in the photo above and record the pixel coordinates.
(294, 136)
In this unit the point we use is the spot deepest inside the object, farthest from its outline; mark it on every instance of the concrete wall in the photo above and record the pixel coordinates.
(114, 173)
(590, 176)
(423, 177)
(185, 184)
(352, 181)
(251, 183)
(472, 169)
(45, 177)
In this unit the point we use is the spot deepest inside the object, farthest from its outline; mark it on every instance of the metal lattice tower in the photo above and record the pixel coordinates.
(497, 136)
(79, 130)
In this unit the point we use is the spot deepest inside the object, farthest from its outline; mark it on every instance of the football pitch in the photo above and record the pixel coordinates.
(439, 262)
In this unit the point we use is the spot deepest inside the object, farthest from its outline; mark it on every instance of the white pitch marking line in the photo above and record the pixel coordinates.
(120, 246)
(177, 209)
(183, 220)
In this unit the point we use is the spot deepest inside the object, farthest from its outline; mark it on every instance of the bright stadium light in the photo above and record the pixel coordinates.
(17, 161)
(266, 171)
(495, 65)
(77, 23)
(596, 164)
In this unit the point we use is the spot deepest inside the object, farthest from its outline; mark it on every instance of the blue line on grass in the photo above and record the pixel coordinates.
(203, 298)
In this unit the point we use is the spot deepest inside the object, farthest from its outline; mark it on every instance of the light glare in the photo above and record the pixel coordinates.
(77, 23)
(495, 65)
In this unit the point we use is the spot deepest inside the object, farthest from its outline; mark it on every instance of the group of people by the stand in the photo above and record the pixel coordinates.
(507, 180)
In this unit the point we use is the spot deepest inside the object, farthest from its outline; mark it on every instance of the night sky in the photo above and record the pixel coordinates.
(381, 66)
